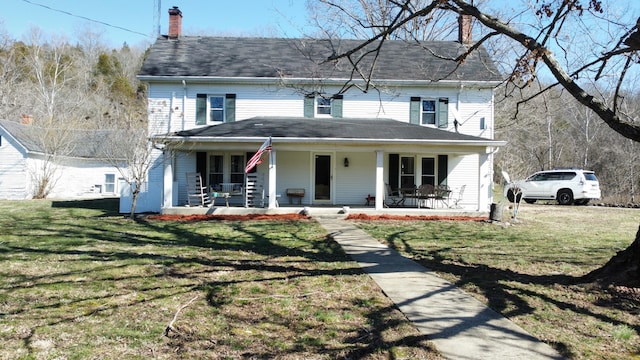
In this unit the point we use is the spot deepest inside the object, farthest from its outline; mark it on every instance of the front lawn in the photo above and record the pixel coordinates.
(530, 271)
(79, 281)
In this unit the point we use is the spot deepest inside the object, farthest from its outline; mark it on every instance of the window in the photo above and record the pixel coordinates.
(215, 108)
(407, 172)
(432, 112)
(110, 183)
(428, 112)
(237, 169)
(323, 106)
(216, 171)
(428, 171)
(220, 173)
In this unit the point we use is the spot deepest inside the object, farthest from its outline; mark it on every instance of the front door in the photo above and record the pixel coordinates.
(322, 178)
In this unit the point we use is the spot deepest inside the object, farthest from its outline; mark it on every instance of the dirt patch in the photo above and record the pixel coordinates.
(210, 217)
(414, 217)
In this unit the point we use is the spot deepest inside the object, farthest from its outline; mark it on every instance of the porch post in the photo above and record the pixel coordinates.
(272, 179)
(379, 179)
(167, 191)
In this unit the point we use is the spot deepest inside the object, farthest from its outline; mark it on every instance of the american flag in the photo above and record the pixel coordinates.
(257, 157)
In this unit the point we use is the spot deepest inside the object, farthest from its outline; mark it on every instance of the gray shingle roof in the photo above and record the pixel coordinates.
(329, 128)
(304, 58)
(91, 144)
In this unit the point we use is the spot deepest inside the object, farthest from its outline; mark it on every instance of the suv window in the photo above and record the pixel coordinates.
(590, 176)
(566, 175)
(538, 177)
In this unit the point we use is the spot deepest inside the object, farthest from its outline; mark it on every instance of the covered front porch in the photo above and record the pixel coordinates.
(326, 165)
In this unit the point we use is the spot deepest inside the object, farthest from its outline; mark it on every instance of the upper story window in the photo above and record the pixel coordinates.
(215, 108)
(323, 106)
(426, 111)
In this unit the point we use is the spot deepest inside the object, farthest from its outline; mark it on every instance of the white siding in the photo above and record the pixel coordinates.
(463, 170)
(172, 107)
(293, 171)
(13, 171)
(356, 181)
(77, 178)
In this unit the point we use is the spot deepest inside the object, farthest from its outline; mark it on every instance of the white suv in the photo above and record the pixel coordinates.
(567, 186)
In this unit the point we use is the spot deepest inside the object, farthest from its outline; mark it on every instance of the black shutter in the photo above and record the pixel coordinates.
(201, 165)
(394, 171)
(443, 169)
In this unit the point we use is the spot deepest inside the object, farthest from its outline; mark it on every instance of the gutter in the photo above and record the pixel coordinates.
(337, 81)
(289, 140)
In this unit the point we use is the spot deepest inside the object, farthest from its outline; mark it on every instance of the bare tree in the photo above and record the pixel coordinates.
(542, 35)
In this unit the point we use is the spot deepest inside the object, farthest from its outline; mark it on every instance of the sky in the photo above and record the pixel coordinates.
(134, 21)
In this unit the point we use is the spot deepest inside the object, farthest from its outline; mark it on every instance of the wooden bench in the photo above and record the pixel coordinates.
(295, 193)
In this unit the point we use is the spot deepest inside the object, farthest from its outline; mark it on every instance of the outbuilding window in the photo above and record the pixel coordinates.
(110, 183)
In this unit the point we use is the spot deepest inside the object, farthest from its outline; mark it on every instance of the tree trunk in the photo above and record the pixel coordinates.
(622, 269)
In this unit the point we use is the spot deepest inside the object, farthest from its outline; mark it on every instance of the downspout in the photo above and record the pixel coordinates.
(184, 101)
(458, 104)
(173, 94)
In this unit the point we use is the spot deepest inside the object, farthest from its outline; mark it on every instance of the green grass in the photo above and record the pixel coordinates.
(530, 271)
(80, 281)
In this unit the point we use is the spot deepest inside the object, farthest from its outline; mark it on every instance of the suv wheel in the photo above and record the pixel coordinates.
(565, 197)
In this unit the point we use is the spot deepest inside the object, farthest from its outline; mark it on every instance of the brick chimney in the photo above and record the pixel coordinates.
(175, 23)
(464, 29)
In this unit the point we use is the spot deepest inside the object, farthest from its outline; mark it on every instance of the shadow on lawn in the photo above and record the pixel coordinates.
(168, 251)
(501, 287)
(110, 206)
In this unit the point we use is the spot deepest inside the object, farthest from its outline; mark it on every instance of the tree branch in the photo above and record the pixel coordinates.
(608, 115)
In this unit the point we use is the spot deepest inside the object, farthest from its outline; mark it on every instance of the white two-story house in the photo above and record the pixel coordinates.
(213, 101)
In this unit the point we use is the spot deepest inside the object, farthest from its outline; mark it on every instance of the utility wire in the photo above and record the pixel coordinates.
(86, 18)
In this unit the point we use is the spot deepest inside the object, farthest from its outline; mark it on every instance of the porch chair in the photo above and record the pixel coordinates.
(456, 199)
(426, 193)
(443, 195)
(197, 194)
(392, 198)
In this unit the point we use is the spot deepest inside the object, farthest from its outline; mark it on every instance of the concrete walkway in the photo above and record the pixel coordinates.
(460, 326)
